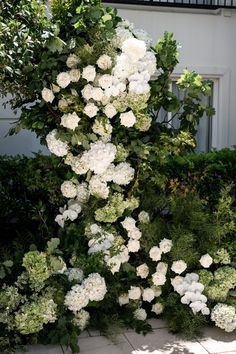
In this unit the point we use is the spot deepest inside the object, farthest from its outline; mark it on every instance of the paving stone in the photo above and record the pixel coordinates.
(215, 340)
(157, 323)
(160, 341)
(102, 345)
(42, 349)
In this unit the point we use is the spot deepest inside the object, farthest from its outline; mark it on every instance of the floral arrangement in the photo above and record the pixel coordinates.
(98, 109)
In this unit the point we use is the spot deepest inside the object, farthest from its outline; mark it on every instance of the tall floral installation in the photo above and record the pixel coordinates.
(92, 90)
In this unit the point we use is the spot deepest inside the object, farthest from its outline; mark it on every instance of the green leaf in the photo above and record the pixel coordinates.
(2, 273)
(8, 263)
(56, 45)
(52, 245)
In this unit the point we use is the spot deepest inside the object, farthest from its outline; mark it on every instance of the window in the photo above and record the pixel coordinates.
(204, 128)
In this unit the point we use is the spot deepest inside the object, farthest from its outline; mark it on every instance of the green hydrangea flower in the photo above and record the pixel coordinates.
(33, 315)
(115, 208)
(222, 256)
(121, 154)
(205, 277)
(35, 263)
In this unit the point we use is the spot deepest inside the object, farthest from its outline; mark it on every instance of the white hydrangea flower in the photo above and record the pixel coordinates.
(123, 299)
(162, 268)
(75, 274)
(179, 266)
(70, 214)
(74, 75)
(81, 319)
(121, 35)
(224, 317)
(113, 264)
(91, 110)
(102, 128)
(157, 308)
(142, 36)
(110, 110)
(206, 261)
(72, 61)
(177, 281)
(134, 293)
(68, 189)
(105, 81)
(158, 278)
(99, 156)
(123, 174)
(98, 188)
(128, 119)
(135, 234)
(148, 294)
(165, 245)
(100, 243)
(104, 62)
(144, 217)
(56, 146)
(134, 48)
(47, 95)
(87, 92)
(55, 88)
(76, 298)
(95, 229)
(70, 120)
(63, 79)
(89, 73)
(95, 287)
(140, 314)
(133, 246)
(78, 166)
(157, 290)
(62, 104)
(142, 271)
(155, 253)
(128, 223)
(60, 220)
(74, 205)
(97, 94)
(82, 193)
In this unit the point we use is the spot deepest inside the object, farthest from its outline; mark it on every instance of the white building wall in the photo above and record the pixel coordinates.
(208, 40)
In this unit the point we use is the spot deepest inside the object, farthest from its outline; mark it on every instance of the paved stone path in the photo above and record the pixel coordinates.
(160, 341)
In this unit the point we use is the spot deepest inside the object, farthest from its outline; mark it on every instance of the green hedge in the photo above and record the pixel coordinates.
(29, 188)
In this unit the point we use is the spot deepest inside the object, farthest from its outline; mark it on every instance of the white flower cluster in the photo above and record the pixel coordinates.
(56, 146)
(140, 314)
(68, 213)
(70, 120)
(134, 234)
(114, 262)
(164, 247)
(179, 266)
(137, 293)
(157, 308)
(93, 288)
(206, 261)
(101, 240)
(74, 274)
(98, 157)
(81, 319)
(142, 271)
(191, 291)
(159, 277)
(143, 217)
(224, 317)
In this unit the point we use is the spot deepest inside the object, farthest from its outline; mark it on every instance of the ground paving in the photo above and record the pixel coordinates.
(160, 341)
